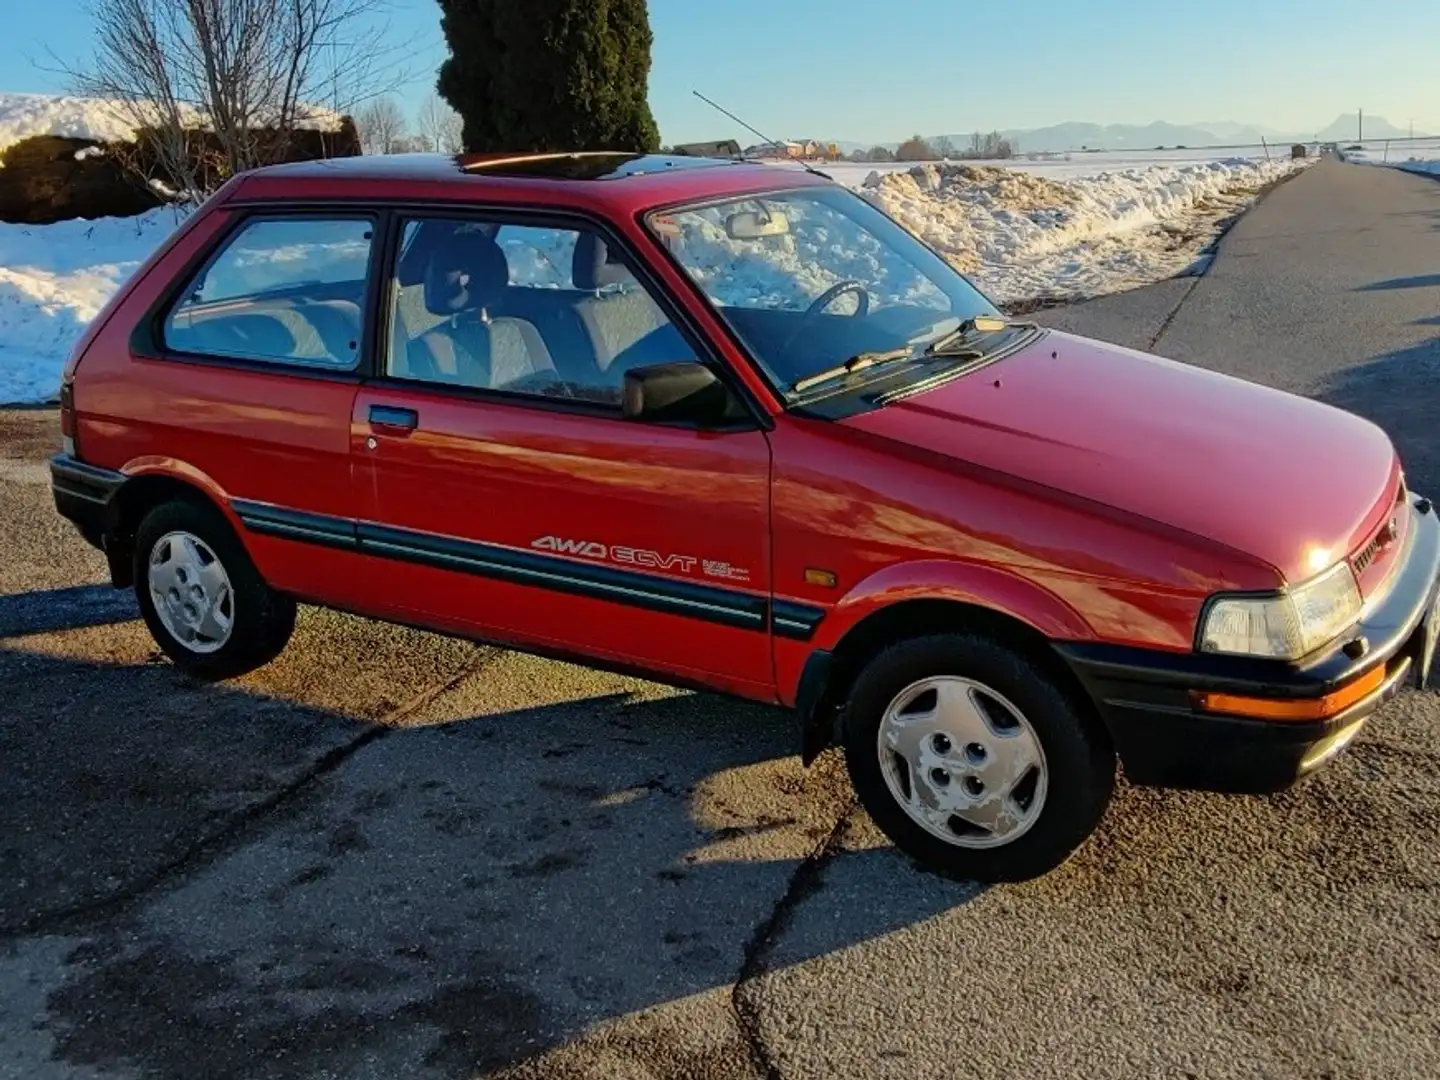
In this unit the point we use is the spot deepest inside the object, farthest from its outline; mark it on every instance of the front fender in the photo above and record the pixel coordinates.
(808, 674)
(968, 583)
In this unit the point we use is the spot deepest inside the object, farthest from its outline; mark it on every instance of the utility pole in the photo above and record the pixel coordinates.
(1360, 126)
(1412, 128)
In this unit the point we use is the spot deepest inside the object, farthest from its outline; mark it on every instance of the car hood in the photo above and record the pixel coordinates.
(1281, 478)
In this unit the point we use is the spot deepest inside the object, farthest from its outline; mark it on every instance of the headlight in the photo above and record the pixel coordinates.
(1287, 626)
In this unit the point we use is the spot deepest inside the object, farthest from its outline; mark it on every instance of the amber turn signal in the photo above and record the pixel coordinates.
(1331, 704)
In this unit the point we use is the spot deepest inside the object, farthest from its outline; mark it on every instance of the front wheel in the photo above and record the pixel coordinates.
(202, 598)
(972, 760)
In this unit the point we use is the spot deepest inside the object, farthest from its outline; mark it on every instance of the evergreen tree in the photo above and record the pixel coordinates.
(549, 74)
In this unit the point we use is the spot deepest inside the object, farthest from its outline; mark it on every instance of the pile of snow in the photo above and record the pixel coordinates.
(1022, 235)
(53, 280)
(24, 115)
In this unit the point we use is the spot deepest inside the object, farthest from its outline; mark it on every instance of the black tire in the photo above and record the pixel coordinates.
(262, 619)
(1079, 760)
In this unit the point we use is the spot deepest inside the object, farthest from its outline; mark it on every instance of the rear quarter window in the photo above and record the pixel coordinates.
(281, 290)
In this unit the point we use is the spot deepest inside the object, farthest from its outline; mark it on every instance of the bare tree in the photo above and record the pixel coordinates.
(382, 127)
(915, 148)
(440, 126)
(214, 87)
(944, 147)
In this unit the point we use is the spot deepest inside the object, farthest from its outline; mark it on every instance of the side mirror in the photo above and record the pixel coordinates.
(750, 225)
(679, 392)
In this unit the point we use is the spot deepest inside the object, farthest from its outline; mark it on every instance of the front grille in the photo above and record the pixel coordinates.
(1367, 554)
(1384, 535)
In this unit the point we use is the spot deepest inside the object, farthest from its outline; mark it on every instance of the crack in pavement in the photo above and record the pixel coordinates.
(237, 826)
(1165, 322)
(803, 884)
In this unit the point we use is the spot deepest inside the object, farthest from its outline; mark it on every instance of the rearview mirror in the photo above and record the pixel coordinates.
(751, 225)
(678, 392)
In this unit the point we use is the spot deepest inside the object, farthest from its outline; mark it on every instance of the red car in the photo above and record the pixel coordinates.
(730, 426)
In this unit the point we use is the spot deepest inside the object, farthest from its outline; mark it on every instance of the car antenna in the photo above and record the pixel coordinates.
(804, 164)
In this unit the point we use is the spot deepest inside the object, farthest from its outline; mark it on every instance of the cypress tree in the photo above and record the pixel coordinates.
(549, 75)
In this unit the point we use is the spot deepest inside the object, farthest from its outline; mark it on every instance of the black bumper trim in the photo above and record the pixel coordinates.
(85, 482)
(1144, 695)
(84, 495)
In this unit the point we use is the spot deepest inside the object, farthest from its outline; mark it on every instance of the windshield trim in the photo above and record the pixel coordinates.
(787, 398)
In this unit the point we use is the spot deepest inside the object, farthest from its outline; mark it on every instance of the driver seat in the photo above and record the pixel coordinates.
(625, 325)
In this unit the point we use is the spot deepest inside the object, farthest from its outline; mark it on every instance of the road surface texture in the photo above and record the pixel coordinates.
(394, 855)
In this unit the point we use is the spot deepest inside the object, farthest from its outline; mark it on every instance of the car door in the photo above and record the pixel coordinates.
(510, 496)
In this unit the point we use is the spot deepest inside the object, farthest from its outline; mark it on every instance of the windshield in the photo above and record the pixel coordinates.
(812, 277)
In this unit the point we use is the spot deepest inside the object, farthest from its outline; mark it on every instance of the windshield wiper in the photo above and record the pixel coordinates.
(988, 324)
(861, 361)
(858, 362)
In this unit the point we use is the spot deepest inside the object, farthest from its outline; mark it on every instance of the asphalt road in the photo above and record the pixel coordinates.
(394, 855)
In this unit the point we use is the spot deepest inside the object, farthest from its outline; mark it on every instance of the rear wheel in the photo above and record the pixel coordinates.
(202, 598)
(972, 760)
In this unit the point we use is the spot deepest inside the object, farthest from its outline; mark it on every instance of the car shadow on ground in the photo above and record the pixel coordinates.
(241, 885)
(1400, 391)
(47, 610)
(1417, 281)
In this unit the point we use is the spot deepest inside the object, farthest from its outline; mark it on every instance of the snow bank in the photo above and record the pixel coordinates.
(24, 115)
(53, 280)
(1022, 235)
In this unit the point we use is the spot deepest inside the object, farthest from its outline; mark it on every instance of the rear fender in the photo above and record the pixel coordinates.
(149, 481)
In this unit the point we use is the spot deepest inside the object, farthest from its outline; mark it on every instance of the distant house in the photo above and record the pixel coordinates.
(791, 150)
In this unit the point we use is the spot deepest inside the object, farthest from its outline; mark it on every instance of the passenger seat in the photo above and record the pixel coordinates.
(464, 281)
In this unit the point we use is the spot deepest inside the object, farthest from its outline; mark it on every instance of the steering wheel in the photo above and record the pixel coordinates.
(840, 288)
(824, 300)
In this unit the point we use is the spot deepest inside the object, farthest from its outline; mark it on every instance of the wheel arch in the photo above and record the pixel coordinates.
(829, 674)
(145, 488)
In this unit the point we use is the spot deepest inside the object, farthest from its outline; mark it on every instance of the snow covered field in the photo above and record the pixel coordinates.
(1420, 156)
(1095, 224)
(1072, 165)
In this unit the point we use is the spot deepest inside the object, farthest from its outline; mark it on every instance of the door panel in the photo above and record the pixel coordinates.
(592, 534)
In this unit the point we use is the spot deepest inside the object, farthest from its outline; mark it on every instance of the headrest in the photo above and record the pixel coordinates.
(467, 274)
(595, 266)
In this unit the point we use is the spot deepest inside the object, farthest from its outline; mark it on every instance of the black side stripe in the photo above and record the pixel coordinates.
(724, 606)
(295, 525)
(798, 621)
(727, 607)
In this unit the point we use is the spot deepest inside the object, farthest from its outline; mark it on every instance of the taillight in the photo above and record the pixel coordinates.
(67, 419)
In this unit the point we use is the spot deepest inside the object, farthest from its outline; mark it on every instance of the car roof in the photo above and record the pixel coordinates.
(600, 179)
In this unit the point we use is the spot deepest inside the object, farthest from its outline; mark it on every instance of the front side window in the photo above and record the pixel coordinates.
(812, 277)
(535, 311)
(283, 290)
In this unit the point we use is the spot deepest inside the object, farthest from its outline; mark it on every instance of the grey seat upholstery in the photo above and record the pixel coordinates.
(626, 327)
(464, 281)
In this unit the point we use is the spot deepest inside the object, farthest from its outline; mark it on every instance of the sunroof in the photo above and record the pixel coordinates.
(593, 165)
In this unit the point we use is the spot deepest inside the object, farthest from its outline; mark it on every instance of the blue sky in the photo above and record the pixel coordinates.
(882, 69)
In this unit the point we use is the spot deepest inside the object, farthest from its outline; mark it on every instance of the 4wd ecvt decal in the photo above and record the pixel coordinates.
(653, 560)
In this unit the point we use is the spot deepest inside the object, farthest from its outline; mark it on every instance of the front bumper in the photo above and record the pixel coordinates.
(1147, 697)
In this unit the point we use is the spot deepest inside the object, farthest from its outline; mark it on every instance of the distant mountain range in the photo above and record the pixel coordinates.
(1077, 136)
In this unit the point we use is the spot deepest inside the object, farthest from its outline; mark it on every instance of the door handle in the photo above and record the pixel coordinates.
(393, 418)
